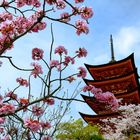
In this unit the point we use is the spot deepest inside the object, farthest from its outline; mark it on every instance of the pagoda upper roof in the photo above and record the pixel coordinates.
(96, 119)
(122, 84)
(111, 70)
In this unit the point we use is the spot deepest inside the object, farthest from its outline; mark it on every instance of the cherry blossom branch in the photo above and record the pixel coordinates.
(11, 62)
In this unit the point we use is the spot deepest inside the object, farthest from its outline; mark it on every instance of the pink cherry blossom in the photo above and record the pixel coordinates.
(49, 101)
(36, 110)
(46, 138)
(109, 98)
(11, 95)
(21, 3)
(86, 12)
(33, 125)
(82, 52)
(39, 26)
(37, 70)
(2, 120)
(95, 90)
(81, 27)
(68, 59)
(45, 125)
(87, 88)
(60, 49)
(65, 17)
(82, 72)
(4, 3)
(23, 101)
(7, 137)
(51, 2)
(6, 16)
(7, 108)
(37, 54)
(22, 82)
(60, 4)
(78, 1)
(55, 63)
(70, 79)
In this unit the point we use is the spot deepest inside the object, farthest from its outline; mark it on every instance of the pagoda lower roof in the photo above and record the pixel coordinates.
(99, 107)
(111, 70)
(118, 85)
(97, 119)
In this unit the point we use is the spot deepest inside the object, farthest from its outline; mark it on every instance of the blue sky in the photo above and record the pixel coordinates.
(117, 17)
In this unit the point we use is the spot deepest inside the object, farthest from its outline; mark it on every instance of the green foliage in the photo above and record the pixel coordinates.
(76, 130)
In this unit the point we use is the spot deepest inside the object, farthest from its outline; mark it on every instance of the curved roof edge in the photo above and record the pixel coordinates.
(115, 78)
(131, 56)
(96, 118)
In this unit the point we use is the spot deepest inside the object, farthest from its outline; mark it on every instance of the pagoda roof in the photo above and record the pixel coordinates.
(122, 84)
(130, 98)
(99, 107)
(96, 119)
(111, 70)
(95, 105)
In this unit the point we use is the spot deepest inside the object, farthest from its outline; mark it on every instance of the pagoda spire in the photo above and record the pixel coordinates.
(112, 50)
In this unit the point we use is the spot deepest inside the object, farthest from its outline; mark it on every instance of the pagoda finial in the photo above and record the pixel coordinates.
(112, 50)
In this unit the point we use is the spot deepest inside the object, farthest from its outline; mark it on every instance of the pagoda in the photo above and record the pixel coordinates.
(120, 78)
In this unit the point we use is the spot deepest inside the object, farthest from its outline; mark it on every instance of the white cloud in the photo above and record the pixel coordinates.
(127, 40)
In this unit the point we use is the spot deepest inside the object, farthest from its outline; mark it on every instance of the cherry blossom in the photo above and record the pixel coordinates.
(11, 95)
(78, 1)
(37, 111)
(60, 50)
(45, 125)
(22, 82)
(55, 63)
(81, 27)
(82, 52)
(37, 54)
(51, 1)
(124, 125)
(82, 72)
(7, 108)
(23, 101)
(65, 17)
(71, 79)
(46, 138)
(37, 70)
(60, 4)
(95, 90)
(33, 125)
(49, 101)
(109, 98)
(86, 12)
(21, 3)
(39, 26)
(87, 88)
(68, 59)
(2, 120)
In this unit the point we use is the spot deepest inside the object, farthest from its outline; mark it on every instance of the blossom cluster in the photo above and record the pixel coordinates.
(37, 54)
(104, 97)
(125, 125)
(12, 26)
(7, 108)
(35, 125)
